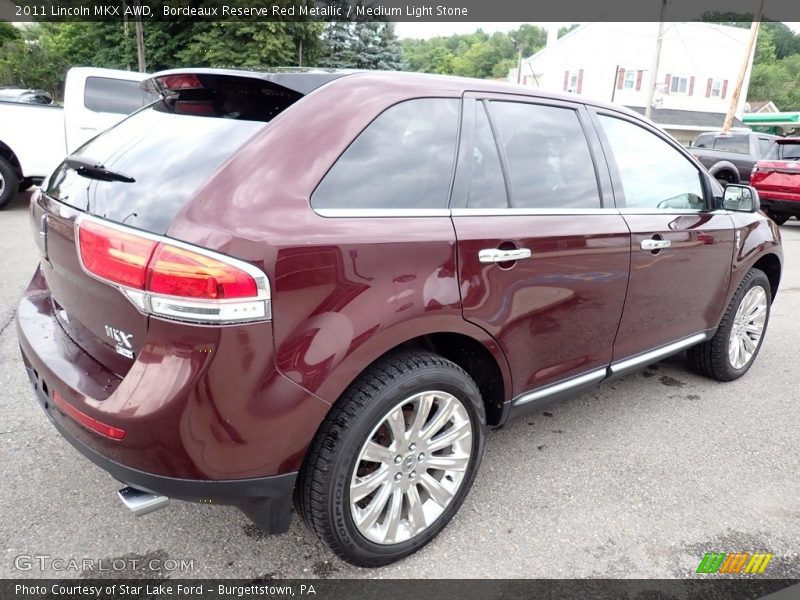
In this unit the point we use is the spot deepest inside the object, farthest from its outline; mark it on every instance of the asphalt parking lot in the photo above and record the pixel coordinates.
(637, 479)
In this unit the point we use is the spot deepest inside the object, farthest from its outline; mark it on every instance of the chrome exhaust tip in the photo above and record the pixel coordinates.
(140, 502)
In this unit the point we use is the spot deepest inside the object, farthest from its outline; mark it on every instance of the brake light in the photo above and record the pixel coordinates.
(180, 82)
(178, 272)
(114, 433)
(114, 255)
(172, 279)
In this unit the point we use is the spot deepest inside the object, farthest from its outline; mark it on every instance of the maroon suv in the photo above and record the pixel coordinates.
(324, 286)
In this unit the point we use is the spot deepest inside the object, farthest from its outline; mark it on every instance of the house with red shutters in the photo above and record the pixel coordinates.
(613, 62)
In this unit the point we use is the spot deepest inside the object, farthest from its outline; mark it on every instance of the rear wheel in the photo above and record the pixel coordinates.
(394, 459)
(9, 182)
(735, 345)
(726, 177)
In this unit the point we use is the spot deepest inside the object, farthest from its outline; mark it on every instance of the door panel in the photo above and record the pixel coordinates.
(554, 314)
(679, 277)
(528, 180)
(676, 291)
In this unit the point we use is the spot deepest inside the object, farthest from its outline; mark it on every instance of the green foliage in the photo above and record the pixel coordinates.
(8, 33)
(29, 62)
(474, 54)
(363, 45)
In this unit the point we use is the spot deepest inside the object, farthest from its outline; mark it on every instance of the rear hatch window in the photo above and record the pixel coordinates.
(166, 151)
(140, 173)
(784, 150)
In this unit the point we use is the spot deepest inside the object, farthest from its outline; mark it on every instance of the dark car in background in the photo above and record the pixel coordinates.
(777, 179)
(730, 156)
(323, 287)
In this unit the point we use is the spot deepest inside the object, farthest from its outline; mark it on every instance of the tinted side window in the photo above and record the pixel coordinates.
(487, 188)
(549, 162)
(764, 145)
(654, 174)
(733, 143)
(403, 159)
(120, 96)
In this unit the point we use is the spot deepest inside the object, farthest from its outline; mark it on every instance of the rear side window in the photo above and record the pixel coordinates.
(764, 145)
(403, 159)
(548, 156)
(733, 143)
(119, 96)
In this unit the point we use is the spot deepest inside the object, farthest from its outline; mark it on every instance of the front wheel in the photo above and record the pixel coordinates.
(735, 345)
(394, 459)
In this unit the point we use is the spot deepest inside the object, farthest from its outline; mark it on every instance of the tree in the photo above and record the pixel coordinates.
(8, 33)
(337, 46)
(239, 44)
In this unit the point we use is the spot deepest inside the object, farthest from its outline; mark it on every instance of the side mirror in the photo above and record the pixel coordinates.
(741, 198)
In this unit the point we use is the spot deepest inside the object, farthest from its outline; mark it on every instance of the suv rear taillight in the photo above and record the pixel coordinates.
(171, 279)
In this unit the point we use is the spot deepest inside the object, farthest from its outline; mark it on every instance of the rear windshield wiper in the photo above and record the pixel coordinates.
(86, 167)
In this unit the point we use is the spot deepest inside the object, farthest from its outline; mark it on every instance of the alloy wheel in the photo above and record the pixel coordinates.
(411, 466)
(748, 327)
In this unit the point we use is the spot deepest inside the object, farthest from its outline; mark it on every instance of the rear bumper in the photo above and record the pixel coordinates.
(206, 415)
(783, 206)
(267, 501)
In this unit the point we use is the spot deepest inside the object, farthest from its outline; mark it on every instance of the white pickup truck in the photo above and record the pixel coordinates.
(35, 138)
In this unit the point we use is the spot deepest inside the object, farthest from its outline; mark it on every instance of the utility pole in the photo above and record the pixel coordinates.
(751, 42)
(126, 32)
(651, 93)
(139, 36)
(520, 45)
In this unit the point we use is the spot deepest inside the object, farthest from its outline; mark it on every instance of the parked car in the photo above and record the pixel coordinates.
(777, 179)
(25, 96)
(730, 156)
(325, 286)
(35, 136)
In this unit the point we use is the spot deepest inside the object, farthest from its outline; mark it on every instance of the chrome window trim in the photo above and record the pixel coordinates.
(367, 213)
(591, 377)
(361, 213)
(671, 211)
(489, 212)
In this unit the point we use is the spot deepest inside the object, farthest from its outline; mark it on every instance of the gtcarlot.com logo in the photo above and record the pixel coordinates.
(45, 562)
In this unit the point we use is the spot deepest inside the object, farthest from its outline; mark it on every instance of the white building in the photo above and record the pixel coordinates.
(612, 62)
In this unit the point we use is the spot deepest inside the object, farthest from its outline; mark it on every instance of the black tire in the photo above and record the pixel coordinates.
(25, 183)
(9, 182)
(725, 177)
(711, 358)
(779, 218)
(323, 489)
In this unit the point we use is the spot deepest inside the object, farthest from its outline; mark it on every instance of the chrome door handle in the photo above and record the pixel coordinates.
(655, 244)
(494, 255)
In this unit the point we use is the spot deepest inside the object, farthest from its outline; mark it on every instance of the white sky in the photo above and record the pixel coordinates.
(427, 30)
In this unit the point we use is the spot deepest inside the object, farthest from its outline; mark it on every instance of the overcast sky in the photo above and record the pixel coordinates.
(429, 30)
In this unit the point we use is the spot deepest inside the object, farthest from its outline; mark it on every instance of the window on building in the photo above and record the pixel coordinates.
(716, 88)
(573, 82)
(630, 80)
(679, 85)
